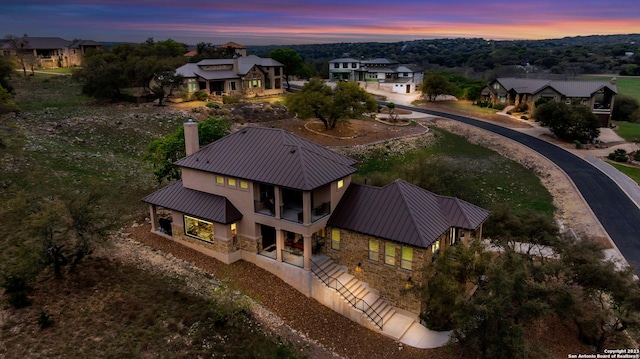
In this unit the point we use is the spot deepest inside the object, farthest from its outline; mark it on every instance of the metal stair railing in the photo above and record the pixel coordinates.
(358, 303)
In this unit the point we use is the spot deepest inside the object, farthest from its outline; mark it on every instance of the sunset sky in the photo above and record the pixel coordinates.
(281, 22)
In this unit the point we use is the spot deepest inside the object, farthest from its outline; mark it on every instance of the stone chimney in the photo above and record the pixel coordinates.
(191, 142)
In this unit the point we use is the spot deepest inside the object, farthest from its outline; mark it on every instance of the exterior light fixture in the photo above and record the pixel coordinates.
(409, 284)
(359, 267)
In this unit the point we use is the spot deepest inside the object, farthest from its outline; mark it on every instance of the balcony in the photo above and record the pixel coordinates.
(321, 211)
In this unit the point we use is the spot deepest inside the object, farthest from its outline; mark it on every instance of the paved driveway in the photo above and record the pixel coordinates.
(618, 214)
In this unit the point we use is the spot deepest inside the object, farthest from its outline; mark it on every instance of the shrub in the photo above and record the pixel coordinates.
(619, 155)
(17, 289)
(230, 99)
(212, 105)
(541, 101)
(524, 117)
(200, 95)
(498, 106)
(522, 107)
(578, 144)
(45, 320)
(636, 156)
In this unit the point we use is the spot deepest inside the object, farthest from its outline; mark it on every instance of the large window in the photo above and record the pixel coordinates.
(374, 249)
(198, 228)
(335, 239)
(390, 253)
(407, 258)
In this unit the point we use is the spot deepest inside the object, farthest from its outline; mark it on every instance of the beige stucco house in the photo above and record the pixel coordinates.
(599, 96)
(288, 205)
(48, 52)
(244, 75)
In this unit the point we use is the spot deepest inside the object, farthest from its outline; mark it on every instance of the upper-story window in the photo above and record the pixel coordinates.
(336, 66)
(435, 247)
(276, 71)
(407, 258)
(220, 180)
(496, 86)
(340, 184)
(231, 182)
(390, 253)
(244, 185)
(354, 65)
(374, 249)
(344, 65)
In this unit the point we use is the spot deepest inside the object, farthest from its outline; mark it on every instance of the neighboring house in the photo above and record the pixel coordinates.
(599, 96)
(49, 52)
(288, 205)
(246, 75)
(389, 74)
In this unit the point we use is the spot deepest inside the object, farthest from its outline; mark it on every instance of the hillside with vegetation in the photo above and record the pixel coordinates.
(479, 58)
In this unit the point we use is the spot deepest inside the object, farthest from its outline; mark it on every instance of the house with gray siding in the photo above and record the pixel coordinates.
(289, 206)
(386, 74)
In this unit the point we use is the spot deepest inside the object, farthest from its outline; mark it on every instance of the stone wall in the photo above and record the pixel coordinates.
(389, 280)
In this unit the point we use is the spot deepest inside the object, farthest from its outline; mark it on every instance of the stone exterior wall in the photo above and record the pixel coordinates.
(389, 280)
(218, 245)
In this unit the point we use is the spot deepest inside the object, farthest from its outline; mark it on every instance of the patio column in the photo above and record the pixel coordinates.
(306, 207)
(279, 244)
(277, 202)
(307, 252)
(153, 216)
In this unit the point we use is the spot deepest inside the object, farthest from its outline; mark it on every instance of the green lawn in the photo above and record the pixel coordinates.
(628, 130)
(454, 167)
(631, 172)
(627, 85)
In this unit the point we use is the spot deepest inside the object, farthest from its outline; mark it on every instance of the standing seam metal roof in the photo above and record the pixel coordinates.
(403, 213)
(199, 204)
(272, 156)
(567, 88)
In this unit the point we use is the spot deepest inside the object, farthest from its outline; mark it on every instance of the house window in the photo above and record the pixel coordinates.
(244, 185)
(335, 239)
(374, 249)
(344, 65)
(231, 182)
(197, 228)
(354, 65)
(340, 184)
(232, 85)
(435, 247)
(277, 82)
(256, 83)
(407, 258)
(390, 253)
(336, 66)
(220, 180)
(276, 71)
(496, 86)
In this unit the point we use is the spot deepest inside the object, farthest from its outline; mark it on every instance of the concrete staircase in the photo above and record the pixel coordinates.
(358, 294)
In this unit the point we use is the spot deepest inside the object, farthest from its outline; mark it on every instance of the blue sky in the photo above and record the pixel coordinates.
(280, 22)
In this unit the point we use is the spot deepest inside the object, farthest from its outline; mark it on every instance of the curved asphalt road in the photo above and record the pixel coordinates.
(617, 213)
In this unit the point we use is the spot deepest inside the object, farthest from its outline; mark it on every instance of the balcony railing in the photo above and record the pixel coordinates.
(264, 207)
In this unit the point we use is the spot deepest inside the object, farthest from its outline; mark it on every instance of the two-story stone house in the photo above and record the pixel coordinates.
(48, 52)
(246, 75)
(288, 205)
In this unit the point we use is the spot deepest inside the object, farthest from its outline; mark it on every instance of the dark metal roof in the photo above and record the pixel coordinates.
(403, 213)
(272, 156)
(198, 204)
(566, 88)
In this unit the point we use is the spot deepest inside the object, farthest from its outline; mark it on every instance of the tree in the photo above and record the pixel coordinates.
(316, 99)
(568, 122)
(69, 229)
(163, 152)
(166, 79)
(626, 108)
(292, 62)
(6, 103)
(435, 85)
(21, 48)
(6, 71)
(603, 300)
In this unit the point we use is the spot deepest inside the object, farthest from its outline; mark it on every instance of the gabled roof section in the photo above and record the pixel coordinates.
(272, 156)
(199, 204)
(566, 88)
(75, 44)
(234, 45)
(344, 59)
(403, 213)
(191, 70)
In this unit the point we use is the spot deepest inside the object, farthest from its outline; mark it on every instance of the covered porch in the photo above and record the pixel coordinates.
(290, 247)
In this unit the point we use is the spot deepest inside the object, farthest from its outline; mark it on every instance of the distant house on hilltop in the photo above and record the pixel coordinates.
(389, 74)
(49, 52)
(245, 75)
(599, 96)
